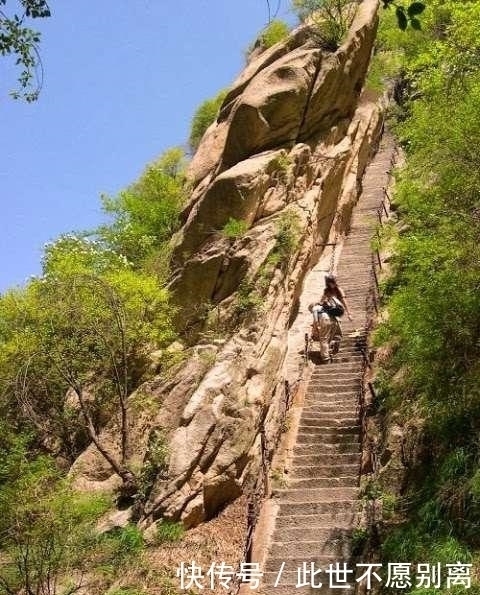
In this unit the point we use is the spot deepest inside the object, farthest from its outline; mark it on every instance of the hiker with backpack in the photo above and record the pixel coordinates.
(326, 313)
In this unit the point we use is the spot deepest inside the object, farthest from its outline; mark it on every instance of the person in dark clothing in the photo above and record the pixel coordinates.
(326, 319)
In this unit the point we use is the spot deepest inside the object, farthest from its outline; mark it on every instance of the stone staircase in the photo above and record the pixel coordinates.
(317, 508)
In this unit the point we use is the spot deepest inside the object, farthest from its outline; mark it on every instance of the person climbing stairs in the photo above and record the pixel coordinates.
(317, 510)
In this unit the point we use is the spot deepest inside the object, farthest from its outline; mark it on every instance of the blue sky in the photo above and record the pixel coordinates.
(122, 79)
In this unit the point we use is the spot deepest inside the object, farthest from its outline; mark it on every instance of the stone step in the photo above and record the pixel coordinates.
(311, 534)
(339, 546)
(315, 404)
(309, 424)
(292, 563)
(324, 429)
(323, 375)
(332, 397)
(336, 385)
(345, 358)
(323, 459)
(351, 367)
(333, 368)
(317, 471)
(316, 494)
(330, 412)
(329, 426)
(323, 482)
(335, 518)
(321, 438)
(332, 420)
(339, 506)
(321, 401)
(330, 416)
(326, 449)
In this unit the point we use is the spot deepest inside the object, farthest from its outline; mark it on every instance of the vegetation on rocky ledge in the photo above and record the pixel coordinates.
(431, 376)
(76, 342)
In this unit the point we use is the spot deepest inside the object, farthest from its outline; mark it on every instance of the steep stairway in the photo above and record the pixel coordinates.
(317, 508)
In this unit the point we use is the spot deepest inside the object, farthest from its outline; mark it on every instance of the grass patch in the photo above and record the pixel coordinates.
(235, 228)
(169, 532)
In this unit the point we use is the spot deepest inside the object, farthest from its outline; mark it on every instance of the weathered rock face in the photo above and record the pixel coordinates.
(286, 157)
(293, 96)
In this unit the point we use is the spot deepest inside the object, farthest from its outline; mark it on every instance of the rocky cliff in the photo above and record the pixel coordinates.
(285, 159)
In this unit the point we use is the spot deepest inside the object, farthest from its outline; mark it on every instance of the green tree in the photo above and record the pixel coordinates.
(47, 531)
(146, 214)
(21, 41)
(76, 340)
(332, 18)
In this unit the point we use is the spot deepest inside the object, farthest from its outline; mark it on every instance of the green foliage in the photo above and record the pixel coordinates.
(122, 544)
(21, 42)
(283, 162)
(235, 228)
(407, 15)
(383, 69)
(205, 115)
(169, 532)
(146, 214)
(277, 30)
(85, 323)
(248, 299)
(155, 463)
(116, 551)
(287, 235)
(359, 539)
(331, 19)
(282, 165)
(389, 505)
(433, 296)
(47, 530)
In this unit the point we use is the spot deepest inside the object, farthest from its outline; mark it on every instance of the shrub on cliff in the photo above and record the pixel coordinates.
(277, 30)
(433, 299)
(146, 214)
(47, 530)
(205, 115)
(331, 19)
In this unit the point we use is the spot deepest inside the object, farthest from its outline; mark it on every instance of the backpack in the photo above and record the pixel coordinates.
(334, 308)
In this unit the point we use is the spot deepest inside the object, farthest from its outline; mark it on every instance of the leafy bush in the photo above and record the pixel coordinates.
(155, 463)
(205, 115)
(274, 32)
(331, 19)
(47, 529)
(123, 543)
(146, 214)
(288, 234)
(235, 228)
(433, 300)
(359, 540)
